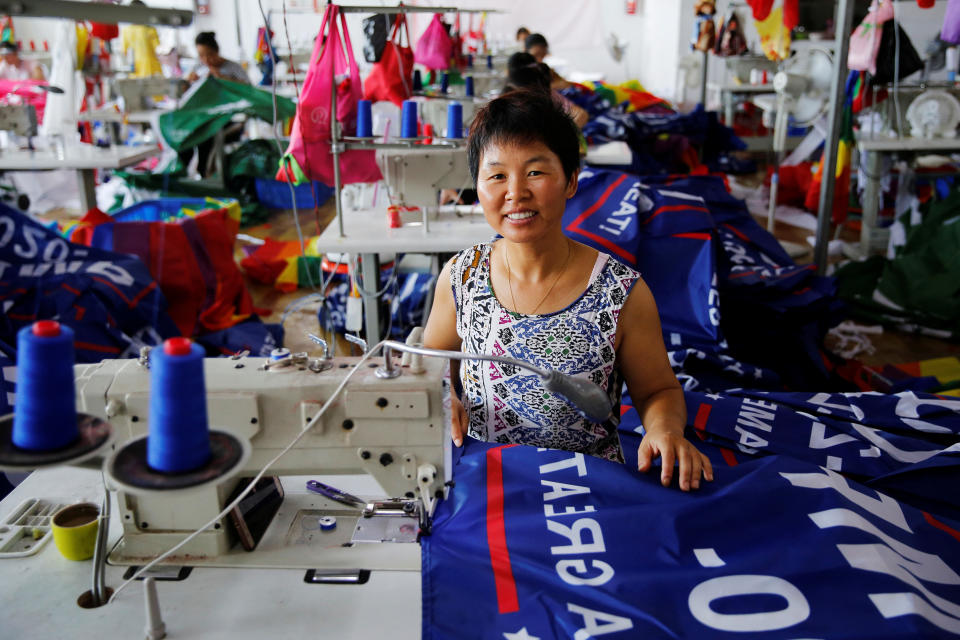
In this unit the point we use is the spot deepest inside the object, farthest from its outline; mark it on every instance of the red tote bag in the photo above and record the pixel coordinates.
(308, 156)
(391, 79)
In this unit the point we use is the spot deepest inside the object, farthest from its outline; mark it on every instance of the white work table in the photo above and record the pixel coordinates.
(38, 598)
(871, 151)
(84, 158)
(448, 229)
(728, 91)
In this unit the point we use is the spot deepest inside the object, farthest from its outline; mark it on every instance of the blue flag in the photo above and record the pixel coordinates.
(548, 544)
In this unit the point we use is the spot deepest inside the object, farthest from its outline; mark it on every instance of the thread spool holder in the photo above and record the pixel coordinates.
(93, 440)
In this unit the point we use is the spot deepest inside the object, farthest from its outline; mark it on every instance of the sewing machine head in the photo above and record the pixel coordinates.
(396, 431)
(139, 94)
(20, 119)
(416, 175)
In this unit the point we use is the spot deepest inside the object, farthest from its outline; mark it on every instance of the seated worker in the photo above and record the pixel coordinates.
(208, 52)
(536, 45)
(524, 72)
(13, 67)
(536, 295)
(522, 34)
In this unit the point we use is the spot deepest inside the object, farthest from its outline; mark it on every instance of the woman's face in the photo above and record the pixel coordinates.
(206, 55)
(538, 51)
(523, 190)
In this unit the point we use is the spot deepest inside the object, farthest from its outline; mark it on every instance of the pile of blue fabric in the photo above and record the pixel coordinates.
(735, 309)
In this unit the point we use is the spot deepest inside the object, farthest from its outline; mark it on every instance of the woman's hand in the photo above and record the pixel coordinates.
(673, 447)
(459, 427)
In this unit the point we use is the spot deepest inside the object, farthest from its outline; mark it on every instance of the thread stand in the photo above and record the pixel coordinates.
(93, 439)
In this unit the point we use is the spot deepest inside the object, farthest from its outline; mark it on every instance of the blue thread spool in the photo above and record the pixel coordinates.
(179, 438)
(454, 120)
(417, 80)
(444, 82)
(46, 415)
(364, 119)
(489, 62)
(408, 119)
(468, 84)
(470, 61)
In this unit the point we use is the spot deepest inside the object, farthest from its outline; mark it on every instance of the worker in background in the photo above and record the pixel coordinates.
(13, 67)
(536, 45)
(141, 41)
(213, 64)
(522, 34)
(536, 295)
(524, 72)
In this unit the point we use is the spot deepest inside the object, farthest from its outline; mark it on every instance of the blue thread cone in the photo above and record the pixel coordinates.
(417, 80)
(489, 62)
(444, 82)
(468, 83)
(179, 438)
(408, 119)
(45, 417)
(470, 61)
(454, 120)
(364, 119)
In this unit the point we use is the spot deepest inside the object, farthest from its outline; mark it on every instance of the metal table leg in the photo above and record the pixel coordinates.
(88, 189)
(871, 199)
(370, 272)
(728, 103)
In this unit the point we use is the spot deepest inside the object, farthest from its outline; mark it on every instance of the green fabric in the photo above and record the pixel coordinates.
(920, 287)
(309, 271)
(292, 169)
(210, 106)
(254, 159)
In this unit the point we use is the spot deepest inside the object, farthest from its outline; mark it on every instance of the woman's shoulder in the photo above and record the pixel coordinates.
(466, 262)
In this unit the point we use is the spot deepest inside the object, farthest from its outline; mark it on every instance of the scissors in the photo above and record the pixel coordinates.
(335, 494)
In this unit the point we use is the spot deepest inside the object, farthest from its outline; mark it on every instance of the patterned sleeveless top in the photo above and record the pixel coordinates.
(507, 404)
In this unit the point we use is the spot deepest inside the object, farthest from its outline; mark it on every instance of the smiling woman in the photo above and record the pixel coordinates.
(536, 295)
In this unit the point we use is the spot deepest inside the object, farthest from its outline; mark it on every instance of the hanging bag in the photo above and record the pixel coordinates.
(865, 39)
(391, 79)
(435, 47)
(308, 156)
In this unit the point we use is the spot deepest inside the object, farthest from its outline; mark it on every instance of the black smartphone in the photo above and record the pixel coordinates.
(250, 519)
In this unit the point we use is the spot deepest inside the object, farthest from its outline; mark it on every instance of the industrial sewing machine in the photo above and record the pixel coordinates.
(20, 119)
(416, 175)
(139, 94)
(395, 430)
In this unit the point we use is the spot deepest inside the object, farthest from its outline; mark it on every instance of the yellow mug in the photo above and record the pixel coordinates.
(75, 530)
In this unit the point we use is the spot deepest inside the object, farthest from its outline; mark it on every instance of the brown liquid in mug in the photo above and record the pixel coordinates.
(76, 517)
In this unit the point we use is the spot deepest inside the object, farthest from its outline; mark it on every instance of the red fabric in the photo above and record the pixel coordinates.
(392, 78)
(791, 13)
(761, 8)
(310, 134)
(104, 31)
(794, 183)
(267, 262)
(191, 260)
(841, 195)
(926, 4)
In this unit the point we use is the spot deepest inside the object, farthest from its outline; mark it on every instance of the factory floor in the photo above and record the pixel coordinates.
(890, 347)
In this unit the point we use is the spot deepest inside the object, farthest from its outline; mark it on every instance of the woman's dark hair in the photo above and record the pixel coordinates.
(521, 117)
(524, 72)
(533, 40)
(523, 31)
(208, 39)
(8, 47)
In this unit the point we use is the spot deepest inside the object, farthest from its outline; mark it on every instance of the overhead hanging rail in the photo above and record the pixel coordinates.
(97, 12)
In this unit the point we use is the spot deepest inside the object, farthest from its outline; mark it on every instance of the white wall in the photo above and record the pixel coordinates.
(658, 34)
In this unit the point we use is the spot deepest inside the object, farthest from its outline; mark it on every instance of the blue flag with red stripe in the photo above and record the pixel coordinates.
(109, 299)
(665, 234)
(537, 544)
